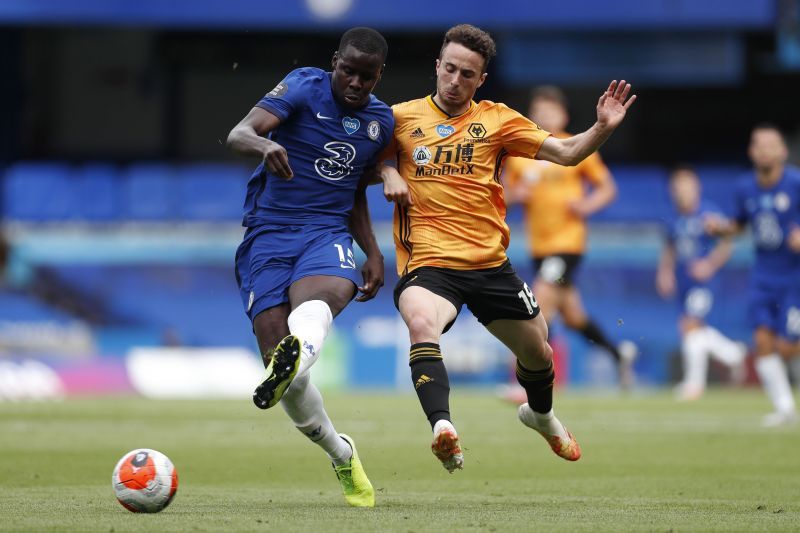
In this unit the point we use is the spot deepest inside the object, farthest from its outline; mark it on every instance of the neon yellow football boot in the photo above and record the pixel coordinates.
(356, 487)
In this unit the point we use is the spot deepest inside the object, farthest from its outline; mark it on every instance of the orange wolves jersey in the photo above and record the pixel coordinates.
(552, 227)
(452, 166)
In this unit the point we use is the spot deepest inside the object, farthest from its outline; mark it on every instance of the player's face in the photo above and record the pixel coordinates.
(549, 115)
(459, 73)
(767, 149)
(685, 190)
(355, 74)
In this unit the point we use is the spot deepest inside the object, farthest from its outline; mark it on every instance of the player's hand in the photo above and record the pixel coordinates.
(665, 283)
(372, 272)
(395, 188)
(613, 104)
(701, 269)
(579, 209)
(793, 239)
(276, 160)
(716, 225)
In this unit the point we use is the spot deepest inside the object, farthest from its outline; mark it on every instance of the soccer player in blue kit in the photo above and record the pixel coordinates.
(769, 201)
(295, 267)
(687, 269)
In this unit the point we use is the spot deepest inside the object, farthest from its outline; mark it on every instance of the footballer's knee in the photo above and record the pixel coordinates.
(422, 327)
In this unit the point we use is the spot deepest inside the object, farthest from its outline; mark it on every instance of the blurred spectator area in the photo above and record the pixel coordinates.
(145, 251)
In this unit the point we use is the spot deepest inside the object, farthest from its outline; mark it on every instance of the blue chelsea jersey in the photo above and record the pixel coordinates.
(687, 234)
(772, 213)
(328, 146)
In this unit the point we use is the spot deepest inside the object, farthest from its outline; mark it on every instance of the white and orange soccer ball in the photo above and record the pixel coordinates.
(144, 481)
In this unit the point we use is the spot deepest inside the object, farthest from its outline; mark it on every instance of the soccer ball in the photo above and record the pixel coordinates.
(144, 481)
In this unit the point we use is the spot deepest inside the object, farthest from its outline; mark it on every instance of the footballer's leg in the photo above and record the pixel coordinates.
(427, 314)
(280, 353)
(316, 300)
(527, 339)
(303, 403)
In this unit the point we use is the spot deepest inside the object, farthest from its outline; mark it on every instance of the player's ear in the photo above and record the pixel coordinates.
(482, 79)
(438, 63)
(334, 59)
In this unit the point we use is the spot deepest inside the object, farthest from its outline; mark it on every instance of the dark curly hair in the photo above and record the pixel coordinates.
(474, 39)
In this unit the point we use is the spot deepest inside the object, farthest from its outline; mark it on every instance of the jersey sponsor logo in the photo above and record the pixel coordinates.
(323, 117)
(476, 130)
(374, 130)
(351, 125)
(279, 90)
(338, 165)
(444, 130)
(782, 202)
(446, 170)
(417, 134)
(421, 155)
(767, 231)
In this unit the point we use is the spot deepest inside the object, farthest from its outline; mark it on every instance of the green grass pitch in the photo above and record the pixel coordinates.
(649, 464)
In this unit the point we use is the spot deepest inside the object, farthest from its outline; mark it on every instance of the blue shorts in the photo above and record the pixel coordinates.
(271, 258)
(776, 307)
(696, 300)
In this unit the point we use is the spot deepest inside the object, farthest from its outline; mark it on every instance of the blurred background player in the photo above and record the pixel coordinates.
(295, 267)
(769, 201)
(451, 235)
(689, 262)
(557, 205)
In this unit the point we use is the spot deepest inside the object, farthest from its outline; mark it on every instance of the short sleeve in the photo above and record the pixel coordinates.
(520, 136)
(594, 170)
(389, 151)
(290, 94)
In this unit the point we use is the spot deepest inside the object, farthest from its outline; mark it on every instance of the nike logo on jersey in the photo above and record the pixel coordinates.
(323, 117)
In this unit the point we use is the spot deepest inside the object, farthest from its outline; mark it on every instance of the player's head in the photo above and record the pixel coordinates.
(767, 147)
(461, 67)
(357, 66)
(548, 108)
(684, 187)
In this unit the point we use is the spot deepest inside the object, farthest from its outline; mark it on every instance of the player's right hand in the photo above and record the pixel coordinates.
(276, 160)
(395, 188)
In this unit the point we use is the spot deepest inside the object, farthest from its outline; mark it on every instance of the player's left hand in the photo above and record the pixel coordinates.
(372, 272)
(701, 270)
(613, 105)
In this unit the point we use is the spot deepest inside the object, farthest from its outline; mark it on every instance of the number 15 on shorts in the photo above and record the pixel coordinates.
(527, 298)
(346, 261)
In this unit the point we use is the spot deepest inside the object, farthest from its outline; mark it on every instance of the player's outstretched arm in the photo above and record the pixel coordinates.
(361, 227)
(246, 138)
(704, 269)
(719, 226)
(611, 110)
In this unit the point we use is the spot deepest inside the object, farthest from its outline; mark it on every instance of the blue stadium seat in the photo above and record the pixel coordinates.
(642, 195)
(97, 197)
(38, 192)
(150, 192)
(212, 191)
(719, 184)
